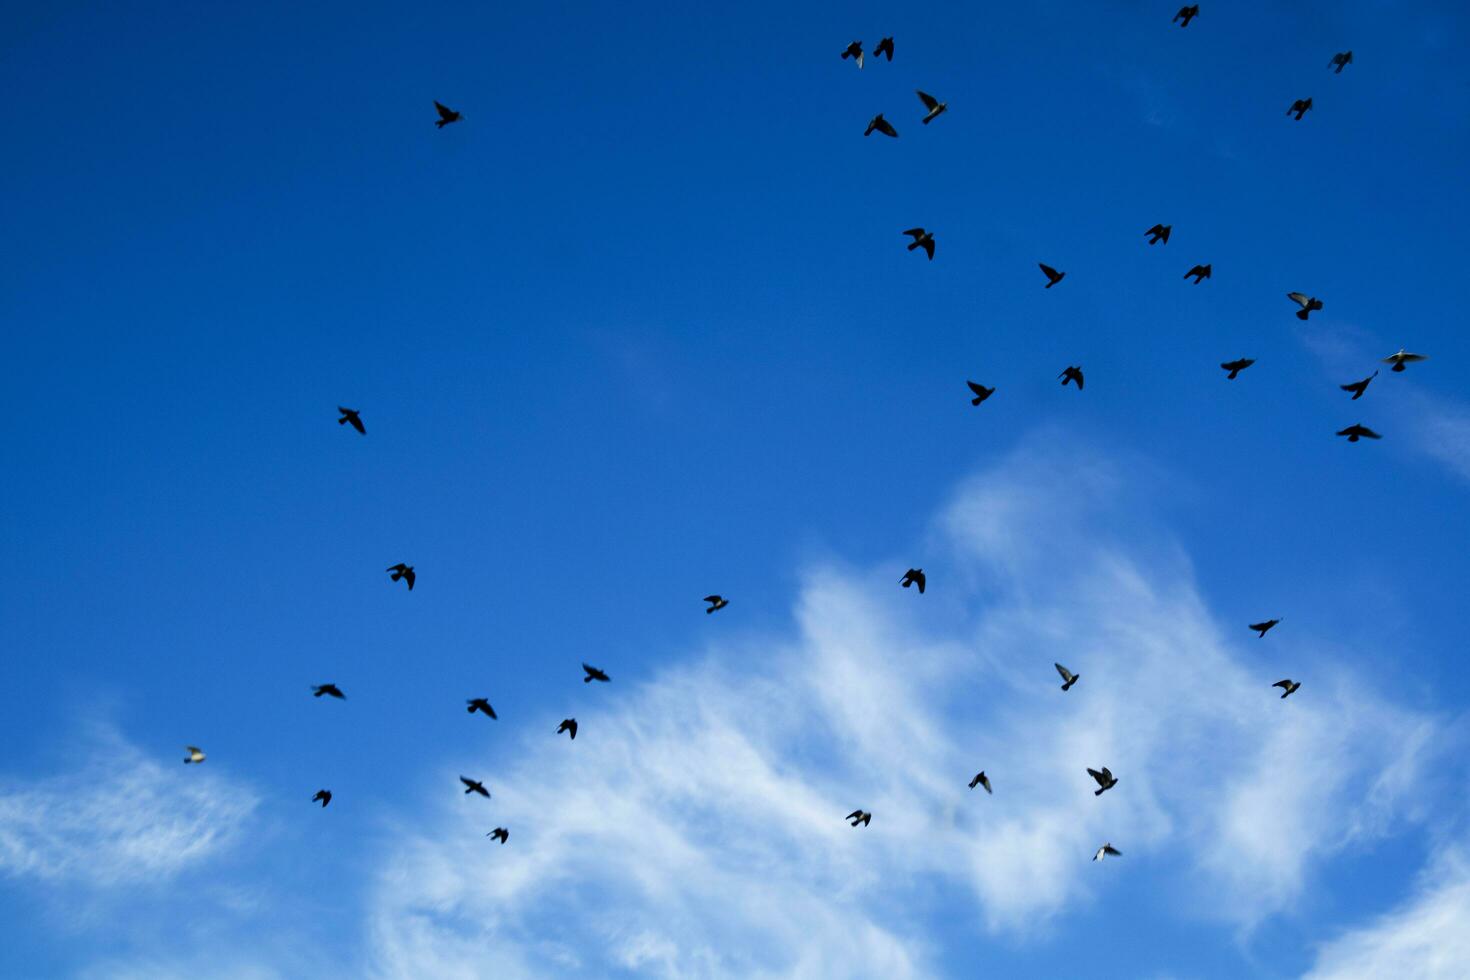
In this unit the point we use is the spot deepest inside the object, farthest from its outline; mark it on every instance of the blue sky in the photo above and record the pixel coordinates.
(642, 327)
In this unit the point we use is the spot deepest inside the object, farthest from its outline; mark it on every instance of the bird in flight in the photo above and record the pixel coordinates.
(1186, 14)
(1288, 687)
(1403, 359)
(481, 705)
(196, 754)
(1106, 850)
(935, 107)
(1200, 273)
(1071, 373)
(1300, 107)
(402, 571)
(884, 47)
(1237, 366)
(325, 795)
(446, 115)
(351, 417)
(568, 725)
(593, 674)
(914, 576)
(1159, 233)
(1263, 628)
(716, 602)
(859, 817)
(500, 834)
(981, 780)
(1052, 276)
(1341, 60)
(1358, 387)
(474, 786)
(922, 239)
(881, 125)
(1307, 304)
(1104, 779)
(981, 392)
(331, 690)
(1356, 431)
(1068, 678)
(854, 50)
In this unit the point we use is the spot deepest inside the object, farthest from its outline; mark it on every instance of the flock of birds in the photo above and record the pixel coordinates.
(1072, 374)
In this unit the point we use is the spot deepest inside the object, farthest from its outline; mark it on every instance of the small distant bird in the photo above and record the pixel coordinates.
(331, 690)
(854, 50)
(593, 674)
(981, 780)
(1356, 432)
(325, 795)
(859, 817)
(1159, 233)
(402, 571)
(1052, 276)
(1300, 107)
(922, 239)
(351, 417)
(1186, 14)
(716, 602)
(568, 725)
(981, 392)
(1307, 304)
(1071, 373)
(1068, 678)
(474, 786)
(884, 47)
(446, 115)
(1403, 359)
(914, 576)
(1288, 686)
(1358, 387)
(1200, 273)
(1106, 850)
(1341, 60)
(1104, 779)
(935, 107)
(881, 125)
(481, 705)
(1263, 628)
(196, 754)
(1237, 366)
(500, 834)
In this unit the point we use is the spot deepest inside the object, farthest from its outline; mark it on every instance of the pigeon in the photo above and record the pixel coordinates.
(1186, 14)
(881, 125)
(1358, 387)
(196, 754)
(1237, 366)
(935, 107)
(922, 239)
(1072, 373)
(481, 705)
(1200, 273)
(500, 834)
(351, 417)
(885, 47)
(1288, 687)
(1403, 359)
(859, 817)
(1342, 59)
(1300, 107)
(914, 576)
(1068, 677)
(325, 795)
(1307, 304)
(1105, 850)
(716, 602)
(568, 725)
(1357, 431)
(981, 780)
(446, 115)
(1052, 276)
(331, 690)
(402, 571)
(854, 50)
(593, 674)
(1104, 779)
(1159, 233)
(981, 392)
(1264, 628)
(474, 786)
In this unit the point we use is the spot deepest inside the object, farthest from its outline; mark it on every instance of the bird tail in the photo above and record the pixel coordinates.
(926, 119)
(1098, 793)
(342, 420)
(587, 680)
(913, 246)
(440, 124)
(975, 400)
(1231, 376)
(1302, 314)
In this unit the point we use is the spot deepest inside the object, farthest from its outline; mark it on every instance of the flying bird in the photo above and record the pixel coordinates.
(1200, 273)
(1307, 304)
(1104, 779)
(1356, 432)
(446, 115)
(331, 690)
(1105, 850)
(474, 786)
(716, 602)
(351, 417)
(854, 50)
(1403, 359)
(1052, 276)
(500, 834)
(325, 795)
(196, 754)
(1159, 233)
(981, 392)
(568, 725)
(1300, 107)
(1263, 628)
(1186, 14)
(1071, 373)
(481, 705)
(881, 125)
(922, 239)
(914, 576)
(935, 107)
(402, 571)
(981, 780)
(1288, 687)
(885, 47)
(1237, 366)
(1341, 60)
(593, 674)
(1068, 678)
(1358, 387)
(859, 817)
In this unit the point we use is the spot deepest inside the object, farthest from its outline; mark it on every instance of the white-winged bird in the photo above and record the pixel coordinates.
(500, 834)
(196, 754)
(1300, 107)
(330, 690)
(474, 786)
(1071, 373)
(935, 107)
(1200, 273)
(914, 576)
(1159, 233)
(593, 674)
(854, 50)
(1357, 431)
(446, 115)
(1340, 60)
(1307, 304)
(568, 725)
(402, 571)
(1068, 678)
(981, 392)
(1403, 359)
(922, 239)
(1104, 779)
(481, 705)
(981, 780)
(1265, 627)
(1288, 687)
(1052, 276)
(1358, 387)
(859, 817)
(1186, 14)
(881, 125)
(1237, 366)
(716, 602)
(1106, 850)
(351, 417)
(325, 795)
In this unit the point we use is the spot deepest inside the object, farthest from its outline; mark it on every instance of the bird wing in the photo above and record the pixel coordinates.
(930, 102)
(1283, 683)
(1107, 773)
(444, 111)
(396, 568)
(977, 389)
(410, 577)
(1080, 383)
(1110, 849)
(928, 246)
(1066, 674)
(916, 232)
(711, 598)
(885, 127)
(1299, 299)
(1047, 270)
(1097, 776)
(853, 815)
(985, 781)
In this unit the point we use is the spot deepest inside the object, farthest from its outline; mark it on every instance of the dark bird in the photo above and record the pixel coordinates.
(1104, 779)
(1300, 107)
(914, 576)
(352, 418)
(716, 602)
(331, 690)
(1200, 273)
(500, 834)
(482, 705)
(446, 115)
(474, 786)
(1356, 431)
(1071, 373)
(1263, 628)
(854, 50)
(885, 47)
(593, 674)
(325, 795)
(1105, 851)
(1288, 686)
(402, 571)
(1159, 233)
(1068, 678)
(568, 725)
(881, 125)
(1237, 366)
(935, 107)
(859, 817)
(1341, 60)
(981, 392)
(922, 239)
(1358, 387)
(981, 780)
(1052, 276)
(196, 754)
(1307, 304)
(1186, 14)
(1403, 359)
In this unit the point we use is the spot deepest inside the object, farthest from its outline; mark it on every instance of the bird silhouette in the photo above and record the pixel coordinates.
(568, 725)
(1263, 628)
(935, 107)
(884, 47)
(1071, 373)
(196, 754)
(500, 834)
(981, 392)
(1200, 273)
(1300, 107)
(330, 690)
(481, 705)
(859, 817)
(446, 115)
(402, 571)
(914, 576)
(1403, 359)
(716, 602)
(1341, 60)
(922, 239)
(1104, 779)
(1052, 276)
(1186, 14)
(1105, 851)
(854, 50)
(981, 780)
(474, 786)
(1307, 304)
(593, 674)
(1159, 233)
(351, 417)
(325, 795)
(1237, 366)
(881, 125)
(1358, 387)
(1357, 431)
(1068, 678)
(1288, 687)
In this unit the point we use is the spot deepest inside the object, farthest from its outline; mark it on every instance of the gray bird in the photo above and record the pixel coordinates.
(474, 786)
(446, 115)
(1340, 60)
(500, 834)
(1104, 779)
(1071, 373)
(1358, 387)
(1263, 628)
(922, 239)
(1300, 107)
(1237, 366)
(196, 754)
(935, 107)
(1186, 14)
(1159, 233)
(325, 795)
(859, 817)
(1105, 851)
(914, 576)
(402, 571)
(1200, 273)
(351, 417)
(593, 674)
(1307, 304)
(881, 125)
(981, 392)
(981, 780)
(1068, 678)
(1356, 432)
(854, 50)
(568, 725)
(1403, 359)
(716, 603)
(1288, 687)
(330, 690)
(1052, 276)
(481, 705)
